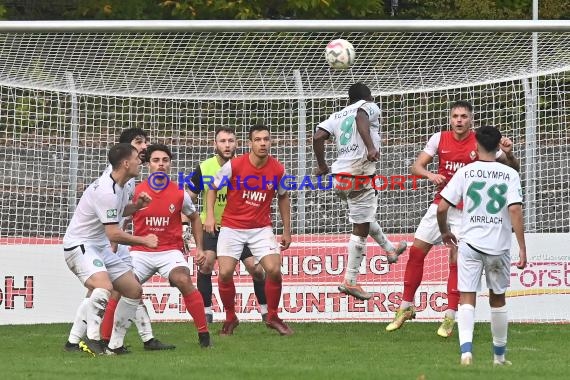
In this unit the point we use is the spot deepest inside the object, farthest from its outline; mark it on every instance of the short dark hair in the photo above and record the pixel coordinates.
(128, 135)
(157, 148)
(257, 128)
(224, 129)
(359, 91)
(462, 104)
(119, 153)
(488, 137)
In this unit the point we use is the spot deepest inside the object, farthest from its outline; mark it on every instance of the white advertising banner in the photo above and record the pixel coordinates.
(37, 287)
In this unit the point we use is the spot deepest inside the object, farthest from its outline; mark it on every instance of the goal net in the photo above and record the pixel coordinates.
(65, 98)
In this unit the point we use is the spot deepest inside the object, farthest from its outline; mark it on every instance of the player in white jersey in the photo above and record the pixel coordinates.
(88, 252)
(492, 208)
(139, 139)
(356, 129)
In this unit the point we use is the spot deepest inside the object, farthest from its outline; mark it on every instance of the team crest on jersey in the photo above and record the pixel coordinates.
(473, 155)
(97, 263)
(172, 208)
(112, 213)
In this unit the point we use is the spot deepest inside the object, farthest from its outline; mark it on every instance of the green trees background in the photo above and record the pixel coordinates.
(278, 9)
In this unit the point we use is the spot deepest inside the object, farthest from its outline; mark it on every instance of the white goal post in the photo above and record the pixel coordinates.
(67, 89)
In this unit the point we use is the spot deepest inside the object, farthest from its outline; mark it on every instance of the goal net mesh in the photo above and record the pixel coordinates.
(65, 98)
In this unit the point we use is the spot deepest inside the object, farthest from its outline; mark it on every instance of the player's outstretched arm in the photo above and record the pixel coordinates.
(508, 158)
(363, 128)
(284, 205)
(516, 214)
(115, 234)
(319, 149)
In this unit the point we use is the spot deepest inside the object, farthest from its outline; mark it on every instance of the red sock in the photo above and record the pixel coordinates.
(108, 319)
(195, 305)
(273, 295)
(228, 297)
(452, 292)
(414, 273)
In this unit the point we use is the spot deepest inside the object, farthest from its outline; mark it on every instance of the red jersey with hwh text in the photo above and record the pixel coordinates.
(161, 217)
(250, 191)
(453, 155)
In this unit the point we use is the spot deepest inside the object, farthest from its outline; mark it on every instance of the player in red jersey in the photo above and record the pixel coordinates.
(455, 149)
(252, 180)
(163, 218)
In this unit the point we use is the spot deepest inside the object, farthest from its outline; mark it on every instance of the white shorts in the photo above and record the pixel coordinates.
(260, 241)
(85, 260)
(146, 264)
(362, 200)
(470, 265)
(428, 230)
(125, 254)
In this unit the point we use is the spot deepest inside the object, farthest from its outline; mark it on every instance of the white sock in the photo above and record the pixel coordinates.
(94, 312)
(450, 313)
(142, 320)
(263, 308)
(499, 328)
(465, 326)
(356, 252)
(378, 235)
(405, 304)
(124, 315)
(208, 310)
(79, 327)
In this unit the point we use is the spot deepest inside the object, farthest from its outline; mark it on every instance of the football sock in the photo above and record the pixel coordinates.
(95, 310)
(273, 294)
(263, 308)
(452, 292)
(204, 285)
(378, 235)
(259, 289)
(142, 321)
(79, 327)
(414, 273)
(195, 305)
(124, 315)
(499, 328)
(356, 253)
(108, 317)
(228, 296)
(465, 326)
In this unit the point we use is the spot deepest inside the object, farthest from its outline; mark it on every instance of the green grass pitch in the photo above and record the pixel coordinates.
(316, 351)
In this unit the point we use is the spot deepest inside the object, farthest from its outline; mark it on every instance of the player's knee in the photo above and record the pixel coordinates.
(225, 275)
(497, 300)
(183, 283)
(134, 291)
(206, 268)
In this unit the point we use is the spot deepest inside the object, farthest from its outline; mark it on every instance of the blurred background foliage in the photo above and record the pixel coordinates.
(278, 9)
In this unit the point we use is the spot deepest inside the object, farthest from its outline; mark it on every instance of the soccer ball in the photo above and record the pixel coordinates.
(340, 54)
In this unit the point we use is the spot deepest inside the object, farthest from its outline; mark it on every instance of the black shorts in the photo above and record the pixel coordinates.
(210, 242)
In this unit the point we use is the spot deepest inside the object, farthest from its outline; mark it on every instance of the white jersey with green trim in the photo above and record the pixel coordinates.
(351, 151)
(487, 188)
